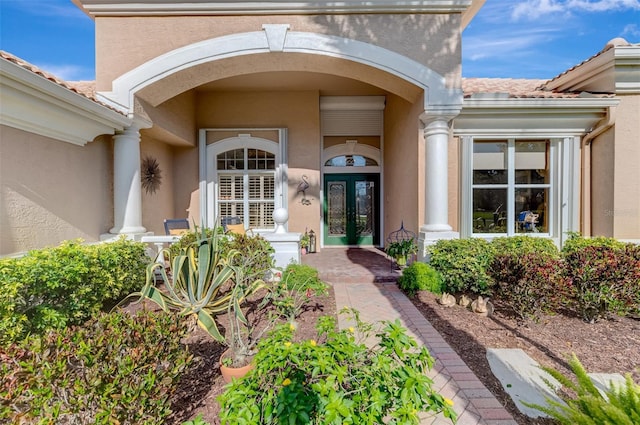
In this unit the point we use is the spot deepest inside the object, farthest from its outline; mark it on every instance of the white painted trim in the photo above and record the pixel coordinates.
(437, 95)
(34, 104)
(209, 174)
(281, 7)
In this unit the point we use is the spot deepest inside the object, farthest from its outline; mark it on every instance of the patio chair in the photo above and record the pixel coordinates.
(176, 226)
(234, 224)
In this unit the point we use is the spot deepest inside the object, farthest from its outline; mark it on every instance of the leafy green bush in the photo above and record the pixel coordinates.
(297, 284)
(583, 404)
(576, 242)
(521, 245)
(463, 264)
(256, 258)
(65, 285)
(420, 277)
(530, 284)
(335, 380)
(116, 369)
(605, 279)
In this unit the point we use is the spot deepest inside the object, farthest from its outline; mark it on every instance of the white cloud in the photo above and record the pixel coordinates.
(518, 42)
(68, 72)
(51, 8)
(631, 30)
(532, 9)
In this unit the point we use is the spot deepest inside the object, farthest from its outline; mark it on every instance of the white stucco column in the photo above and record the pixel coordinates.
(436, 168)
(127, 192)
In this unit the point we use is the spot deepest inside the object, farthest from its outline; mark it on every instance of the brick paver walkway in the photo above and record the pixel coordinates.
(364, 279)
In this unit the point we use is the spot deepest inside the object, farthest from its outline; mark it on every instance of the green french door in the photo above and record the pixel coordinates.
(351, 209)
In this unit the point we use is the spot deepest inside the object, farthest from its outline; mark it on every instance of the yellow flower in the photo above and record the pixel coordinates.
(287, 344)
(448, 401)
(351, 329)
(286, 382)
(312, 342)
(292, 326)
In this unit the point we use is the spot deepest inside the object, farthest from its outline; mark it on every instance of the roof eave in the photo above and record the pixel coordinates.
(35, 104)
(531, 117)
(614, 70)
(281, 7)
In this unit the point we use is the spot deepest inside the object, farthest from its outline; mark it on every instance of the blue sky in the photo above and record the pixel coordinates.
(508, 38)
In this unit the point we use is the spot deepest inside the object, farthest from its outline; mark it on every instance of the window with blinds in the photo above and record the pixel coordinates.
(246, 186)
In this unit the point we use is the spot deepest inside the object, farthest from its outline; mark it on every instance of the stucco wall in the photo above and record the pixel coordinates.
(296, 111)
(122, 43)
(602, 184)
(158, 205)
(51, 191)
(403, 184)
(626, 207)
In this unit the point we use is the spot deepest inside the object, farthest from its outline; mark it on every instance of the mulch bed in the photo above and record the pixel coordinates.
(199, 388)
(610, 346)
(607, 346)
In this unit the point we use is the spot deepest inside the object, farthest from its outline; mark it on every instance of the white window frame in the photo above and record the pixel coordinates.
(558, 173)
(209, 185)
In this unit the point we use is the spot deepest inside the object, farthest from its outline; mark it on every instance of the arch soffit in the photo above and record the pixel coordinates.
(126, 86)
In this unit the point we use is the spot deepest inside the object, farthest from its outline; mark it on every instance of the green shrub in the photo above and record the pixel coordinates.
(256, 258)
(292, 293)
(420, 277)
(116, 369)
(521, 245)
(576, 242)
(605, 279)
(529, 284)
(584, 404)
(335, 380)
(463, 264)
(65, 285)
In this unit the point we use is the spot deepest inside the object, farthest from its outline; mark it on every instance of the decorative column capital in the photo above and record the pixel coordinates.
(437, 118)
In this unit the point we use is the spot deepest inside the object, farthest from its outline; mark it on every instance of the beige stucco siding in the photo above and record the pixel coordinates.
(403, 184)
(51, 191)
(158, 205)
(626, 208)
(602, 184)
(123, 43)
(297, 111)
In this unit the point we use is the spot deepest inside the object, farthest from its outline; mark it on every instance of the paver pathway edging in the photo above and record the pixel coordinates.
(473, 402)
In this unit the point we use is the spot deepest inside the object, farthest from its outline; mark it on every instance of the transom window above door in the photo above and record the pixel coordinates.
(351, 161)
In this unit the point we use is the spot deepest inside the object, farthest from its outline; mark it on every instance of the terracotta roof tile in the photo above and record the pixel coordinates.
(83, 88)
(515, 88)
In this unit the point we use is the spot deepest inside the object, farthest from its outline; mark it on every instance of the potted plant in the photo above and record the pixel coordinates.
(304, 243)
(401, 250)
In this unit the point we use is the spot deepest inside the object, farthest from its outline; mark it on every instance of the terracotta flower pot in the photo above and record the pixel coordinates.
(230, 372)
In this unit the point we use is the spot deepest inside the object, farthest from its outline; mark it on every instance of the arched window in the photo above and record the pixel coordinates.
(351, 161)
(243, 174)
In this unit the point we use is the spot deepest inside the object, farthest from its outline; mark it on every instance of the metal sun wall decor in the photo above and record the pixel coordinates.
(151, 175)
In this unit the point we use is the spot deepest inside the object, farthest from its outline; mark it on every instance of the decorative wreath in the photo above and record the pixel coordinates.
(151, 174)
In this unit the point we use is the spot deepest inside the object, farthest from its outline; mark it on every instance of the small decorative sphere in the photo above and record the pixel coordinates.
(280, 215)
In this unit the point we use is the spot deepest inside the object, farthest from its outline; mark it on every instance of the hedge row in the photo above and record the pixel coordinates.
(115, 369)
(590, 277)
(62, 286)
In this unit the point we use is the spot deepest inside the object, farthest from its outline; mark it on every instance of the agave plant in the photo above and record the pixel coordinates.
(196, 286)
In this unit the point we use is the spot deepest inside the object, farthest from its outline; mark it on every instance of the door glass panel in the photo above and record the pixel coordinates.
(489, 213)
(337, 208)
(365, 201)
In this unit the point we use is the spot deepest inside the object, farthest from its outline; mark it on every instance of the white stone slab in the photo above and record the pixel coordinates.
(522, 378)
